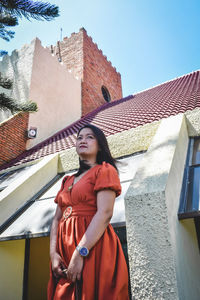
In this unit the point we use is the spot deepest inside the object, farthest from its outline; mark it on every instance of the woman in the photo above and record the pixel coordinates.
(87, 260)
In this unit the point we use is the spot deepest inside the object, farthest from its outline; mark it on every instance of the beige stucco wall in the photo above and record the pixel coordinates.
(26, 186)
(12, 268)
(57, 93)
(162, 266)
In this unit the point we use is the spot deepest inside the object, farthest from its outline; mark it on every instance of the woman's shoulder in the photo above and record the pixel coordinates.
(105, 167)
(107, 178)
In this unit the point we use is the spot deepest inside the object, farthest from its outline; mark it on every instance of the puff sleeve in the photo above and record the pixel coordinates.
(107, 178)
(56, 200)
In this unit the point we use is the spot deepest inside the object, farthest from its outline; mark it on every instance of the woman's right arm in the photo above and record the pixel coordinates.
(56, 260)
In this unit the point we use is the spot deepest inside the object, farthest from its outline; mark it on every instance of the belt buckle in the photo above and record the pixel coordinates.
(67, 212)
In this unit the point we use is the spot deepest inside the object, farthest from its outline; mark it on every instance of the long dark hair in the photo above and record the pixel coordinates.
(102, 155)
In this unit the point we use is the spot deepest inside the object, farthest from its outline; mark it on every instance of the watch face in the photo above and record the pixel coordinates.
(84, 251)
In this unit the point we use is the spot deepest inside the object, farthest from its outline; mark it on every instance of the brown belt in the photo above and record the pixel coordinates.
(78, 211)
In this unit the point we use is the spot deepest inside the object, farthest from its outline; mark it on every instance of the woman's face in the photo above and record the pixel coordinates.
(87, 144)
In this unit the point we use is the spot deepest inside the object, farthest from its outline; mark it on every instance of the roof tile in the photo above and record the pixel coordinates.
(170, 98)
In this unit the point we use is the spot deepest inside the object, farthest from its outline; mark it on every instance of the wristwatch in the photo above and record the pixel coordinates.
(83, 251)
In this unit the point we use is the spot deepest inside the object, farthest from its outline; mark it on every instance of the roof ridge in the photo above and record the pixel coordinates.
(190, 73)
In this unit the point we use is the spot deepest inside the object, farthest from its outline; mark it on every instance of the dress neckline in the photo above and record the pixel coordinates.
(73, 176)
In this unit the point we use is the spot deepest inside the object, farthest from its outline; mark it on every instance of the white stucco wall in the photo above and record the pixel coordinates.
(163, 252)
(183, 233)
(56, 92)
(22, 189)
(18, 67)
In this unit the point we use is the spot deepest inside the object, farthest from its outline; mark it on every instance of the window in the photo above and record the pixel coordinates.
(190, 194)
(106, 93)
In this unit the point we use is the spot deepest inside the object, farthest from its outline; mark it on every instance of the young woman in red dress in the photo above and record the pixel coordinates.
(87, 260)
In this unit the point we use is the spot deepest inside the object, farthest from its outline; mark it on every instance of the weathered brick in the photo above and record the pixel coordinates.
(12, 137)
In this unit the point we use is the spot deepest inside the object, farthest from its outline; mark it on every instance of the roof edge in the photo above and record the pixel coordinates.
(145, 90)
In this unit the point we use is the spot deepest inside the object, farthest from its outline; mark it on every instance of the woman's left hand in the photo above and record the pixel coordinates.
(75, 267)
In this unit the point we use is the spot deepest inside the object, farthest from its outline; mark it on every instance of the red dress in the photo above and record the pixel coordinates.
(104, 274)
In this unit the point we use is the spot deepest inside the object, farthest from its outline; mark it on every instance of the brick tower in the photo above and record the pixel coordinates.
(100, 82)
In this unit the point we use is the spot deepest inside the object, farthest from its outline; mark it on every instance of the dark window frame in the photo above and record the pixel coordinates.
(189, 204)
(105, 93)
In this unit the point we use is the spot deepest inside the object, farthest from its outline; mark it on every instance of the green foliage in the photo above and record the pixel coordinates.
(7, 103)
(6, 83)
(11, 10)
(8, 20)
(6, 34)
(3, 52)
(30, 9)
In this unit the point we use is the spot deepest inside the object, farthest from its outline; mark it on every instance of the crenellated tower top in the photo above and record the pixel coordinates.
(82, 57)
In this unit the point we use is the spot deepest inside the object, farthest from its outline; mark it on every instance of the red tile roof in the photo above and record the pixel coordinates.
(170, 98)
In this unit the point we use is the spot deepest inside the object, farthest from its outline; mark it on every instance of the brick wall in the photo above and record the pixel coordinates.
(83, 58)
(13, 137)
(70, 52)
(97, 72)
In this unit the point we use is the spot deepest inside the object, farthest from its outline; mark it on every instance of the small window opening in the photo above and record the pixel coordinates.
(106, 93)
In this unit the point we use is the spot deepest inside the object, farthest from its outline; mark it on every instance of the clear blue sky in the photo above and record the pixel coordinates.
(148, 41)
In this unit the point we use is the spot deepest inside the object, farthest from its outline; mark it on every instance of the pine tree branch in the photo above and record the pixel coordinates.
(3, 52)
(6, 34)
(30, 9)
(7, 103)
(8, 20)
(5, 83)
